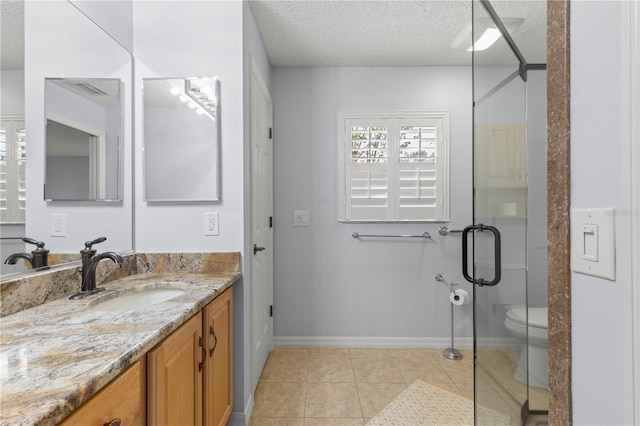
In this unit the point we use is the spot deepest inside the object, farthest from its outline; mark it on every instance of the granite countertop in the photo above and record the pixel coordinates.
(55, 356)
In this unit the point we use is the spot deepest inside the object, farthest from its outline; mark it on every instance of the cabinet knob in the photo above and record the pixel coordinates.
(114, 422)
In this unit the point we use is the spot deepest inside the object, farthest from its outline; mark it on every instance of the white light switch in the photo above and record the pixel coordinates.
(301, 218)
(590, 235)
(593, 242)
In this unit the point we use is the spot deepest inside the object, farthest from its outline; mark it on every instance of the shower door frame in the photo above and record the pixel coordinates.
(522, 72)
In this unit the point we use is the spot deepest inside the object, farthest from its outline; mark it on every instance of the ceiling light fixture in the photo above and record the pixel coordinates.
(486, 33)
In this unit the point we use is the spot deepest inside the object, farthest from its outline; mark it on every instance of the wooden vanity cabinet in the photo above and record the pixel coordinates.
(174, 378)
(124, 399)
(218, 370)
(189, 374)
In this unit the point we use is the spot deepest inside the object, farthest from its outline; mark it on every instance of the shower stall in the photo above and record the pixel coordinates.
(506, 245)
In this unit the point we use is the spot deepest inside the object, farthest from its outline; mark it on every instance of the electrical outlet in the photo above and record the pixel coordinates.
(58, 225)
(210, 223)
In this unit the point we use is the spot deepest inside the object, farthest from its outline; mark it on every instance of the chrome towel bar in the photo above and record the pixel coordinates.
(446, 231)
(424, 235)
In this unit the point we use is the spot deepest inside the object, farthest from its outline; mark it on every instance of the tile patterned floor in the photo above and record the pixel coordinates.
(348, 386)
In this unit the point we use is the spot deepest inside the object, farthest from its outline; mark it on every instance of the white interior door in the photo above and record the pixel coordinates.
(261, 224)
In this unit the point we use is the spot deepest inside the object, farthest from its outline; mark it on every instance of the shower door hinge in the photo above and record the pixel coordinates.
(270, 310)
(270, 221)
(270, 132)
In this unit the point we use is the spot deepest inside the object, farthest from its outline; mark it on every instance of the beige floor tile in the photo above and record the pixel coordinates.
(429, 370)
(348, 386)
(370, 353)
(448, 386)
(329, 353)
(276, 421)
(465, 390)
(375, 396)
(333, 421)
(460, 375)
(332, 400)
(285, 369)
(334, 370)
(279, 400)
(404, 355)
(375, 371)
(288, 353)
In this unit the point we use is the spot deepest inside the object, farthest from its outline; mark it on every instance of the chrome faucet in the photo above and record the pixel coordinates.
(38, 257)
(90, 262)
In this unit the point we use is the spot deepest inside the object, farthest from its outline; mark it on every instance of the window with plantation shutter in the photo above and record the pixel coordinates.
(394, 167)
(12, 169)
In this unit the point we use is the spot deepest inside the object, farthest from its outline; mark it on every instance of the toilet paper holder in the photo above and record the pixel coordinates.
(450, 353)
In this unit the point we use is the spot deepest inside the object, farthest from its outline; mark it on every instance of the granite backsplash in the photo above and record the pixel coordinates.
(41, 287)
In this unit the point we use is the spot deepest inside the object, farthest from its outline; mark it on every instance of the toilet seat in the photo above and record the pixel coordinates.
(537, 317)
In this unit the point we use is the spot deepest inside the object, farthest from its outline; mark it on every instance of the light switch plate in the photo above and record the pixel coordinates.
(593, 242)
(301, 218)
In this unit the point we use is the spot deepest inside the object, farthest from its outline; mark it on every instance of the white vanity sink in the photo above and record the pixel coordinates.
(138, 299)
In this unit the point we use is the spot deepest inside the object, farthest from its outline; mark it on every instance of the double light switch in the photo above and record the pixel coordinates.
(593, 243)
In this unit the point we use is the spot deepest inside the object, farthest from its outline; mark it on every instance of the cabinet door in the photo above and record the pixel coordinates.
(218, 380)
(174, 382)
(520, 155)
(494, 156)
(124, 398)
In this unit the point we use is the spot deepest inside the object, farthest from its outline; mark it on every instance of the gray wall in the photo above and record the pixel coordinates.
(325, 282)
(330, 287)
(597, 305)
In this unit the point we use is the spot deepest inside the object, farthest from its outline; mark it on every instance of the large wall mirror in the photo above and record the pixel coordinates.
(82, 144)
(181, 139)
(62, 42)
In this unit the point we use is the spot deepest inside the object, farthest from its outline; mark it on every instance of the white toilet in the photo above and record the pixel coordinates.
(516, 322)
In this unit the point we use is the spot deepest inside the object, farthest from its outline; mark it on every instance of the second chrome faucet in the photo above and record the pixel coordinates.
(90, 260)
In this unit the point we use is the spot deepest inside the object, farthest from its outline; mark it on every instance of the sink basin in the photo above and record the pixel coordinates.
(138, 299)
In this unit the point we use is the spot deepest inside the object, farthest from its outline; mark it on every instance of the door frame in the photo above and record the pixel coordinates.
(255, 73)
(630, 131)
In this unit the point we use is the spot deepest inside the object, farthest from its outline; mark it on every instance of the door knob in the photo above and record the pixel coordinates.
(257, 249)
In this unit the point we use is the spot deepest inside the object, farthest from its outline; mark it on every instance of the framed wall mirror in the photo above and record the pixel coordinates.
(181, 139)
(67, 40)
(82, 139)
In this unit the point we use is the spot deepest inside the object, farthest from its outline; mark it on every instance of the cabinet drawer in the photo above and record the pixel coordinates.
(124, 398)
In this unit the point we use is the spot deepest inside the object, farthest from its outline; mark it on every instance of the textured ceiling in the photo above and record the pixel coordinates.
(11, 35)
(356, 32)
(387, 33)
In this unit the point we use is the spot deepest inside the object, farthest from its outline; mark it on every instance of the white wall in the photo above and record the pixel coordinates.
(12, 91)
(183, 39)
(597, 309)
(327, 283)
(60, 42)
(115, 17)
(186, 39)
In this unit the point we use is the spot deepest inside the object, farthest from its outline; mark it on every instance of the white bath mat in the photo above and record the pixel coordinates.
(425, 404)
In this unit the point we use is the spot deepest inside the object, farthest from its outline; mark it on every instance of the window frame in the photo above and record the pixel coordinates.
(395, 120)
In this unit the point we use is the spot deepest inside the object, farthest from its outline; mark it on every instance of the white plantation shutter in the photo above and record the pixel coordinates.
(394, 167)
(368, 174)
(12, 170)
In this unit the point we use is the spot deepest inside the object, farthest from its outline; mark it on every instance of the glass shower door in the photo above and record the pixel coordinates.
(497, 241)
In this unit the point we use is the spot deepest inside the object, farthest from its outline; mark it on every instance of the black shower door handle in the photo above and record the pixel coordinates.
(497, 254)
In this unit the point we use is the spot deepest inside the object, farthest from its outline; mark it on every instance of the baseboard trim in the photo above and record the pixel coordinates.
(394, 342)
(242, 419)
